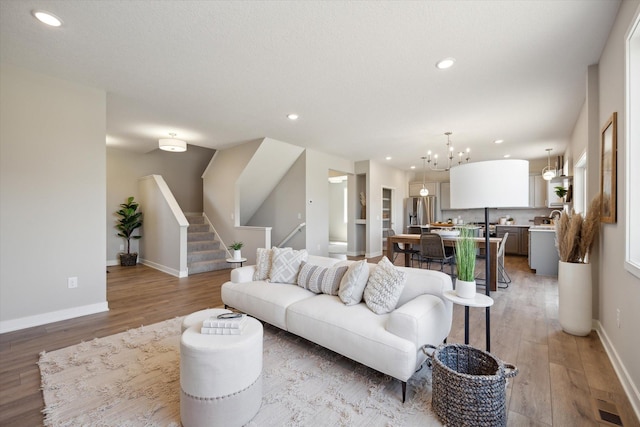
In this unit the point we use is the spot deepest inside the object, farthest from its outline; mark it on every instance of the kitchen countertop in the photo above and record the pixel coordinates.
(513, 225)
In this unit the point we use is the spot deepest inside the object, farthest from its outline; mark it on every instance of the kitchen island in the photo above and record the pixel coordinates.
(543, 254)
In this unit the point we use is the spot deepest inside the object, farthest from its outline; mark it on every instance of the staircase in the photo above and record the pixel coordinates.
(203, 248)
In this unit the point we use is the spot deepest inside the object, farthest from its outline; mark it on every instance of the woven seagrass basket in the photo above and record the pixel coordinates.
(469, 385)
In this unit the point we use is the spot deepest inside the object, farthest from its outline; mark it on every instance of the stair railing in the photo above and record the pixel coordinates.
(297, 228)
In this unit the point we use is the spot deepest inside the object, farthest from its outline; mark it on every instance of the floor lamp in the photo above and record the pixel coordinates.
(491, 184)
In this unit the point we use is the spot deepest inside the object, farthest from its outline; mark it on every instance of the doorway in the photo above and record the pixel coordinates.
(338, 214)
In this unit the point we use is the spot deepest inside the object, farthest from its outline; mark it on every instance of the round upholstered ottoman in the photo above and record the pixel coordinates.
(220, 376)
(196, 319)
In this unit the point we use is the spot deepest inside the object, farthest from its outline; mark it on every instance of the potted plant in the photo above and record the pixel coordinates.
(466, 264)
(236, 246)
(561, 191)
(575, 235)
(130, 220)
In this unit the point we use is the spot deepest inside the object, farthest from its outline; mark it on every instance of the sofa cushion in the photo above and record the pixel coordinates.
(353, 283)
(263, 264)
(355, 332)
(285, 265)
(266, 301)
(384, 287)
(321, 280)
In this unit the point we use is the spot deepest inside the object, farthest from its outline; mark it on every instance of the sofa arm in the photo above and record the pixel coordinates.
(425, 319)
(243, 274)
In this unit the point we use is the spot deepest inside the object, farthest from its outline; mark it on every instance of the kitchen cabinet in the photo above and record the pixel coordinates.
(386, 214)
(415, 187)
(543, 255)
(537, 192)
(445, 196)
(518, 240)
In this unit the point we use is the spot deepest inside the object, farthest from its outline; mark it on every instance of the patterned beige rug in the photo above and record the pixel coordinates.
(132, 379)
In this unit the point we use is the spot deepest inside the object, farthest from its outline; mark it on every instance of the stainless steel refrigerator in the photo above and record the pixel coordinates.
(420, 210)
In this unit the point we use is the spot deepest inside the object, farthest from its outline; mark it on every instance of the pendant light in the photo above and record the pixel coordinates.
(423, 191)
(172, 144)
(547, 173)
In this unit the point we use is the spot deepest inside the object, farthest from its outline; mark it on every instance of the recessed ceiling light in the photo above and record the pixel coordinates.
(292, 116)
(445, 63)
(412, 167)
(47, 18)
(506, 156)
(388, 158)
(498, 141)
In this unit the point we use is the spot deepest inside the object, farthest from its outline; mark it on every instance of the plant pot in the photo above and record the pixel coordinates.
(237, 254)
(574, 297)
(127, 260)
(465, 289)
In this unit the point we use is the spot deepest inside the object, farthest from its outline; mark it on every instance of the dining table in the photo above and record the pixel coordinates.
(414, 239)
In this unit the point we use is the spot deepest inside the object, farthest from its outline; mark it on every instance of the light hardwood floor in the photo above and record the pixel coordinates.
(559, 374)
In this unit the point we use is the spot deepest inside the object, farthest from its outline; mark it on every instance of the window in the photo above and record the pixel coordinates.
(632, 149)
(580, 184)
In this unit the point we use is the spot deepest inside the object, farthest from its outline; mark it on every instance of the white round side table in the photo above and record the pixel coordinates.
(480, 300)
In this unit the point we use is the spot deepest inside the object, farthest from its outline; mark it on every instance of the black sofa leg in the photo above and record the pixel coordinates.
(404, 391)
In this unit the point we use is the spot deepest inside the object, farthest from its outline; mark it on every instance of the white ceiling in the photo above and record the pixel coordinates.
(361, 75)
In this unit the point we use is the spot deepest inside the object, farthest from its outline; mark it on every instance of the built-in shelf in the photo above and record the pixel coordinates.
(561, 178)
(361, 221)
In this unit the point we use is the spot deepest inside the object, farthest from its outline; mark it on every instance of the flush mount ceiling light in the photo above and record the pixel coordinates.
(172, 144)
(498, 141)
(292, 116)
(547, 173)
(47, 18)
(445, 63)
(423, 191)
(449, 156)
(506, 156)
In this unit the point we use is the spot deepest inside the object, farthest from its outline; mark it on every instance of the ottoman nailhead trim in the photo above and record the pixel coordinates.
(220, 397)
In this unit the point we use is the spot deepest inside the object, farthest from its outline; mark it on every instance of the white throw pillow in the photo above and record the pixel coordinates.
(285, 265)
(384, 287)
(353, 283)
(263, 264)
(318, 279)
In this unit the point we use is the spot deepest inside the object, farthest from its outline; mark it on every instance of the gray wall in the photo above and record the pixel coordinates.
(52, 199)
(616, 288)
(284, 208)
(181, 171)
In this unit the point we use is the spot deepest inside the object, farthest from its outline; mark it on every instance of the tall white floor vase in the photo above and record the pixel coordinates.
(574, 297)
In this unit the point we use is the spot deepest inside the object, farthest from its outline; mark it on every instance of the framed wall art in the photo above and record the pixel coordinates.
(608, 163)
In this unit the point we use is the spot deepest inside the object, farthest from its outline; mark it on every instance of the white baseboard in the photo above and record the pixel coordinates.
(113, 262)
(164, 268)
(630, 388)
(54, 316)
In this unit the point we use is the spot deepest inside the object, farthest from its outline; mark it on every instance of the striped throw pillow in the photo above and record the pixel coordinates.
(321, 280)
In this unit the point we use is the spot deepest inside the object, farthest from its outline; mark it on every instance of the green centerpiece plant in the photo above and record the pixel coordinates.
(466, 264)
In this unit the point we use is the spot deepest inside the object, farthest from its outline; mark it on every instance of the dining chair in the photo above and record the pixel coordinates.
(407, 249)
(432, 249)
(503, 276)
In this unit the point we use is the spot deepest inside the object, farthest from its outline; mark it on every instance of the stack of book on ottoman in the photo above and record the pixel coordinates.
(224, 324)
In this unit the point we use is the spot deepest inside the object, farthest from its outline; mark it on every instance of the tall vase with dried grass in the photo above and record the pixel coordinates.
(575, 235)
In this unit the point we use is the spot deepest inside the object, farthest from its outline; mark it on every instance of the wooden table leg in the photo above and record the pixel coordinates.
(493, 248)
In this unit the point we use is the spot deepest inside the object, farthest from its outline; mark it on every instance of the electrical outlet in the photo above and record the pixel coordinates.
(72, 282)
(618, 317)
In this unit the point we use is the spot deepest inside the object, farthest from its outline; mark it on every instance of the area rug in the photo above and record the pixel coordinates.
(132, 379)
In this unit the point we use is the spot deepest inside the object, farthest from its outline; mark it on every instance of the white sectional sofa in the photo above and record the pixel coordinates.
(389, 343)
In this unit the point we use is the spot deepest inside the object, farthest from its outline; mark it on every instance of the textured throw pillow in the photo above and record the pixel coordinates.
(353, 283)
(263, 264)
(317, 279)
(384, 287)
(285, 265)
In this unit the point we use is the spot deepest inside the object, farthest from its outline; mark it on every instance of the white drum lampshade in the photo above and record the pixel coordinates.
(491, 184)
(172, 144)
